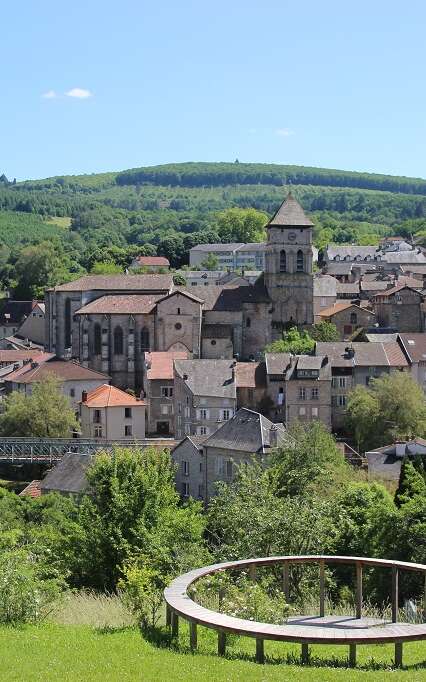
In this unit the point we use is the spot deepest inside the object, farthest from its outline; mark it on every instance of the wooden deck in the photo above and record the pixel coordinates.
(322, 629)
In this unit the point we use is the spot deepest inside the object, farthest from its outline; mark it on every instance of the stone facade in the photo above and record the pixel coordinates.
(348, 318)
(400, 308)
(189, 460)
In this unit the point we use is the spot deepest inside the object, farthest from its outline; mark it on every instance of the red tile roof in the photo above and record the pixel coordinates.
(64, 370)
(250, 374)
(161, 363)
(135, 304)
(153, 260)
(31, 490)
(336, 308)
(110, 396)
(19, 355)
(394, 290)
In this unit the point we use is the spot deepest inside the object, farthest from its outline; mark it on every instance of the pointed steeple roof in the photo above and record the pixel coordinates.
(290, 214)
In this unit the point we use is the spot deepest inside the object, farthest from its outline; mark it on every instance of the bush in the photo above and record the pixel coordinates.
(142, 589)
(26, 595)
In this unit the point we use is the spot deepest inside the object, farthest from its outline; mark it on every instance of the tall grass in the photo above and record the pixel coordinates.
(99, 610)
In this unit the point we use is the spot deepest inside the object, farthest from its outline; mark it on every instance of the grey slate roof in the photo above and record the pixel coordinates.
(252, 246)
(347, 288)
(339, 268)
(310, 362)
(69, 475)
(325, 285)
(352, 251)
(217, 248)
(404, 257)
(290, 214)
(150, 282)
(366, 354)
(277, 363)
(208, 377)
(247, 431)
(381, 338)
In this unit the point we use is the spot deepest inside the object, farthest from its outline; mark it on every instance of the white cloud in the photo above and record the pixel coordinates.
(79, 93)
(284, 132)
(50, 94)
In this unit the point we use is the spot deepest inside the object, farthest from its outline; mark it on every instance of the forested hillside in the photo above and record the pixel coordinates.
(167, 209)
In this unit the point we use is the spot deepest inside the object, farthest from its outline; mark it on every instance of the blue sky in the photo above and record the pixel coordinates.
(332, 84)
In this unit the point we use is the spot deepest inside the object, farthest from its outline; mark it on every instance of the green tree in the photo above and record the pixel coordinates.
(391, 408)
(134, 518)
(106, 268)
(308, 461)
(38, 267)
(325, 331)
(45, 413)
(293, 341)
(241, 225)
(179, 279)
(211, 262)
(411, 483)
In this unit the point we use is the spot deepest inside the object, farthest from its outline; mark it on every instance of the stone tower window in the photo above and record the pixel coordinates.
(97, 339)
(354, 318)
(118, 341)
(283, 261)
(248, 321)
(300, 261)
(144, 339)
(67, 323)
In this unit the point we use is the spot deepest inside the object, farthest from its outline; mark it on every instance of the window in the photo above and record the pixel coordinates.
(248, 321)
(200, 490)
(165, 409)
(315, 412)
(229, 468)
(167, 391)
(97, 340)
(128, 430)
(354, 318)
(302, 411)
(187, 428)
(185, 489)
(203, 414)
(339, 400)
(67, 323)
(128, 412)
(179, 420)
(213, 342)
(179, 408)
(185, 467)
(300, 261)
(72, 392)
(178, 311)
(302, 393)
(226, 414)
(118, 341)
(97, 417)
(314, 394)
(178, 326)
(338, 382)
(187, 412)
(144, 339)
(203, 431)
(283, 261)
(194, 284)
(201, 467)
(98, 431)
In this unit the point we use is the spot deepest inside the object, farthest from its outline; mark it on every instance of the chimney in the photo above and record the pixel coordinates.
(273, 436)
(84, 397)
(34, 365)
(350, 352)
(185, 377)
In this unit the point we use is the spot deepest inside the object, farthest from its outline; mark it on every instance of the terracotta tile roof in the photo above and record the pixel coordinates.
(160, 261)
(414, 346)
(250, 374)
(290, 214)
(110, 396)
(64, 370)
(365, 354)
(395, 354)
(394, 290)
(336, 308)
(19, 355)
(161, 363)
(150, 282)
(133, 304)
(31, 490)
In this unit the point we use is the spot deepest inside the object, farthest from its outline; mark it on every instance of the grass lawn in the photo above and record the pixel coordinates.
(81, 652)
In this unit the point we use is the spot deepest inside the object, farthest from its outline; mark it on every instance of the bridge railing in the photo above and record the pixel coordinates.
(52, 449)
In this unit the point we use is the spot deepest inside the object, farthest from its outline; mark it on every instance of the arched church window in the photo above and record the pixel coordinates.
(354, 319)
(300, 261)
(145, 339)
(97, 339)
(248, 321)
(118, 341)
(67, 323)
(283, 261)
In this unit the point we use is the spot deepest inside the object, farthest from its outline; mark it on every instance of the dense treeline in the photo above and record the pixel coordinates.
(221, 174)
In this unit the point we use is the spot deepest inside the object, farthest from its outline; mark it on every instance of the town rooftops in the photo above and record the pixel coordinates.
(46, 364)
(217, 248)
(160, 364)
(344, 288)
(110, 396)
(394, 290)
(246, 431)
(251, 374)
(352, 251)
(69, 475)
(405, 257)
(338, 308)
(361, 354)
(310, 362)
(31, 490)
(402, 448)
(158, 261)
(414, 346)
(325, 285)
(290, 214)
(277, 363)
(135, 304)
(11, 356)
(14, 312)
(213, 378)
(252, 246)
(148, 282)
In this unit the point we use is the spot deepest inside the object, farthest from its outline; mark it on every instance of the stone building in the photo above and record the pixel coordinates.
(414, 348)
(400, 308)
(348, 317)
(158, 386)
(189, 458)
(111, 414)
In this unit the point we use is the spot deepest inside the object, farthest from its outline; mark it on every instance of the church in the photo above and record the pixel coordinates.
(109, 322)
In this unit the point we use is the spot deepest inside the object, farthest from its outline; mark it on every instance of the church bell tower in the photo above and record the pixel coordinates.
(288, 266)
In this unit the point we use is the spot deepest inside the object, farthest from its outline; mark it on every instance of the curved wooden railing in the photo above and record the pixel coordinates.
(358, 631)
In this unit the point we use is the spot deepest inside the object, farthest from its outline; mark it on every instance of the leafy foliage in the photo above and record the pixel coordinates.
(293, 341)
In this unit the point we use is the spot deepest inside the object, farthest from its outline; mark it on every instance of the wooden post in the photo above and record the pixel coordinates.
(398, 654)
(192, 635)
(168, 616)
(395, 596)
(352, 655)
(221, 643)
(305, 653)
(175, 624)
(252, 571)
(358, 590)
(322, 587)
(286, 580)
(260, 650)
(424, 601)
